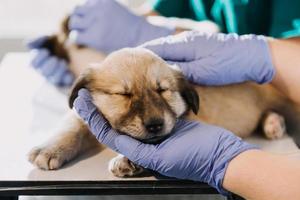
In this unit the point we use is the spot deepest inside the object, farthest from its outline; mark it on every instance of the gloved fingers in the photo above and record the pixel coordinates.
(41, 57)
(186, 46)
(98, 125)
(82, 37)
(83, 104)
(171, 48)
(55, 70)
(85, 94)
(58, 79)
(68, 79)
(78, 22)
(136, 151)
(185, 68)
(37, 42)
(200, 72)
(49, 66)
(61, 76)
(55, 80)
(81, 10)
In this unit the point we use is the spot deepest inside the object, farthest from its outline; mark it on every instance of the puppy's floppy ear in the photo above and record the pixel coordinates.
(82, 82)
(189, 94)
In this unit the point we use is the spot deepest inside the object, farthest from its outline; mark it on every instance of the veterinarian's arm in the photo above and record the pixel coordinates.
(263, 176)
(213, 155)
(108, 26)
(286, 60)
(54, 69)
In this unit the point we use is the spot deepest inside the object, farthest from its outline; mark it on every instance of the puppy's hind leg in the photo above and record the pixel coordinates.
(291, 113)
(273, 125)
(69, 141)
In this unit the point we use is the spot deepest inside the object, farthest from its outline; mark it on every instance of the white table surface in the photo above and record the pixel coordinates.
(30, 109)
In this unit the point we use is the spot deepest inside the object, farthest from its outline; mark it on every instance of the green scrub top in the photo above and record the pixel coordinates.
(277, 18)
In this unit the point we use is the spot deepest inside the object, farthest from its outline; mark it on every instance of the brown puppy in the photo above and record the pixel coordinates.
(141, 95)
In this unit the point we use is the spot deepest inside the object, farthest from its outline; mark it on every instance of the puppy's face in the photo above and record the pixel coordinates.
(138, 93)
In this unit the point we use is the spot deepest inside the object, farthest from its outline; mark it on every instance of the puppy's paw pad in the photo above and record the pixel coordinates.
(274, 126)
(47, 159)
(33, 154)
(121, 166)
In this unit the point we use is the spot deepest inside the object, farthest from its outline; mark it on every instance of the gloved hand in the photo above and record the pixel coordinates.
(98, 125)
(195, 151)
(217, 59)
(54, 69)
(105, 25)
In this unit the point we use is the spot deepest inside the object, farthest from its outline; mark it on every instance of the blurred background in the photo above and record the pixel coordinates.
(20, 20)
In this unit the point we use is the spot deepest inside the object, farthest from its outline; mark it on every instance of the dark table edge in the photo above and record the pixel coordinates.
(130, 187)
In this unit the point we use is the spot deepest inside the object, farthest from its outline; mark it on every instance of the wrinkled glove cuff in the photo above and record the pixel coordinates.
(233, 150)
(266, 72)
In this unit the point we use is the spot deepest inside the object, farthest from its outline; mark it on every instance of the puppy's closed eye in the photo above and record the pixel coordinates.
(124, 94)
(162, 86)
(161, 90)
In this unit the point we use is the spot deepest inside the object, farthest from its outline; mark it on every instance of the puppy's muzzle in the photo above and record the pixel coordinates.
(154, 125)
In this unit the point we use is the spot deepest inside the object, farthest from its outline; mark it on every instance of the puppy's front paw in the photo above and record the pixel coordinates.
(47, 158)
(121, 166)
(274, 126)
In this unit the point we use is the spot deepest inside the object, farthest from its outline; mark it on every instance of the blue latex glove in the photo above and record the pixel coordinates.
(98, 125)
(105, 25)
(195, 151)
(217, 59)
(54, 69)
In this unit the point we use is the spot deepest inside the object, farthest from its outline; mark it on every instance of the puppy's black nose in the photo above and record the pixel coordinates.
(154, 125)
